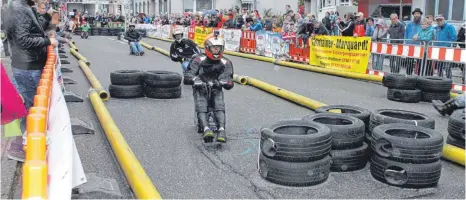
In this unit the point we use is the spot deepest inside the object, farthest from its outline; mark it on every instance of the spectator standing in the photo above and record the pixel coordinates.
(413, 27)
(28, 43)
(257, 26)
(347, 27)
(359, 25)
(304, 31)
(461, 38)
(445, 33)
(396, 32)
(327, 21)
(426, 34)
(370, 27)
(379, 34)
(319, 29)
(286, 24)
(256, 13)
(299, 20)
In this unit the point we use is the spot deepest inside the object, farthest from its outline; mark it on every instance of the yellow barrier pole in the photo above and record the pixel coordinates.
(454, 154)
(240, 79)
(79, 56)
(146, 45)
(103, 94)
(285, 94)
(72, 46)
(140, 183)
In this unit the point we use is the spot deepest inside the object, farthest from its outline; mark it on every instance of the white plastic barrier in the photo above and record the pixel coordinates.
(65, 169)
(166, 32)
(232, 39)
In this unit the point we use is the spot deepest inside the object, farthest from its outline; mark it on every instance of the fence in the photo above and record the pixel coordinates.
(52, 166)
(387, 56)
(421, 59)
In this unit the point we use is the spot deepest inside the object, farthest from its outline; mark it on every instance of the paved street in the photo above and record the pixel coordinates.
(162, 135)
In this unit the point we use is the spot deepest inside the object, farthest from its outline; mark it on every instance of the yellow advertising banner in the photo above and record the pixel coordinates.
(341, 53)
(200, 33)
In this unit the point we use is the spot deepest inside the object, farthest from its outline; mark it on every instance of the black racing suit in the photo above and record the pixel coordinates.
(215, 71)
(183, 51)
(133, 35)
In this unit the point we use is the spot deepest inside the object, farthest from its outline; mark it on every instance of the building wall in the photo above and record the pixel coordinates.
(176, 6)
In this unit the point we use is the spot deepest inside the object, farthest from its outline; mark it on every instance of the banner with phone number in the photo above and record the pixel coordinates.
(341, 53)
(200, 33)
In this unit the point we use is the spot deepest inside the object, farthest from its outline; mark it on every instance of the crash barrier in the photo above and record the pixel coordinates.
(79, 56)
(103, 94)
(52, 165)
(420, 59)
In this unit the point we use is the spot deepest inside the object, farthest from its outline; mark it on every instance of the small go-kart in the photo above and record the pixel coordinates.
(210, 112)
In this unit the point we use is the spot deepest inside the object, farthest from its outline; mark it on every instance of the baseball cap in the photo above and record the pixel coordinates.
(439, 17)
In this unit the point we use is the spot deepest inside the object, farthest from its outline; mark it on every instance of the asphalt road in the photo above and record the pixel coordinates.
(162, 135)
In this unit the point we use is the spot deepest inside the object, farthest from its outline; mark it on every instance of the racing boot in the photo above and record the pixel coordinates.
(220, 118)
(221, 136)
(208, 134)
(445, 108)
(142, 53)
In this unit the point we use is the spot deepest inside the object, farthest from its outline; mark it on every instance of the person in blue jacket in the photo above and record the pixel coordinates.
(257, 26)
(413, 27)
(411, 30)
(426, 34)
(445, 33)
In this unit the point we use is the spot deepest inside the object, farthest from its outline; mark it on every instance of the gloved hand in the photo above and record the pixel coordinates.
(198, 83)
(216, 84)
(228, 85)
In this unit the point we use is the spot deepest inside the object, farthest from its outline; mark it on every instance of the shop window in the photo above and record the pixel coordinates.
(204, 5)
(458, 10)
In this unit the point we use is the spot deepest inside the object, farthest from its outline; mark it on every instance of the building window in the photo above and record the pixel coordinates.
(188, 5)
(345, 2)
(203, 5)
(457, 13)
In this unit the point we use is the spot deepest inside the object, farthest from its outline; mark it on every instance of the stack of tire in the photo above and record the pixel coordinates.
(127, 84)
(104, 32)
(456, 129)
(295, 153)
(77, 31)
(349, 152)
(392, 116)
(402, 88)
(95, 31)
(162, 84)
(405, 155)
(434, 88)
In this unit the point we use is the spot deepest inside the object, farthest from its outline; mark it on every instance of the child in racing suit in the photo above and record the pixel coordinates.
(211, 67)
(182, 50)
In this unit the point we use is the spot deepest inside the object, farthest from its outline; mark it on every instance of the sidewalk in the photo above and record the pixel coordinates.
(10, 170)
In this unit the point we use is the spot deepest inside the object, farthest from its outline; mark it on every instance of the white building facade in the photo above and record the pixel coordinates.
(157, 7)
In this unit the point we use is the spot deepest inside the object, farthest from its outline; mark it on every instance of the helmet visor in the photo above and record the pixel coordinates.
(178, 37)
(216, 49)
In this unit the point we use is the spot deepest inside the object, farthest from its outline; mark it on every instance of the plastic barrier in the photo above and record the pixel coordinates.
(445, 61)
(298, 54)
(425, 59)
(248, 42)
(191, 32)
(52, 166)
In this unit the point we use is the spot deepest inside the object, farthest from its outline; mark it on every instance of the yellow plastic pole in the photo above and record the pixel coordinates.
(288, 95)
(140, 183)
(72, 46)
(146, 45)
(79, 56)
(454, 154)
(103, 94)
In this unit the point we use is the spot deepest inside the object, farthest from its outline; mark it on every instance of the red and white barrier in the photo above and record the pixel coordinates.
(403, 50)
(447, 54)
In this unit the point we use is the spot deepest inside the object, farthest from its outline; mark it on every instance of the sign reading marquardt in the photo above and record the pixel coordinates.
(342, 53)
(200, 33)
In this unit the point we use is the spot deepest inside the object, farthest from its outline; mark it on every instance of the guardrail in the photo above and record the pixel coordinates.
(51, 168)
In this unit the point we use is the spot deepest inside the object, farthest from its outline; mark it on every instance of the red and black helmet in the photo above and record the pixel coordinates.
(214, 46)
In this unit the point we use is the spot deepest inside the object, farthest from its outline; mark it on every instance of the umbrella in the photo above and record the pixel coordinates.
(210, 12)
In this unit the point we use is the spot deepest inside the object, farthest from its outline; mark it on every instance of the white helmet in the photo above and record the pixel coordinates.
(177, 34)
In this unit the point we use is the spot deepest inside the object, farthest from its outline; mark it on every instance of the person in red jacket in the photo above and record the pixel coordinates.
(360, 25)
